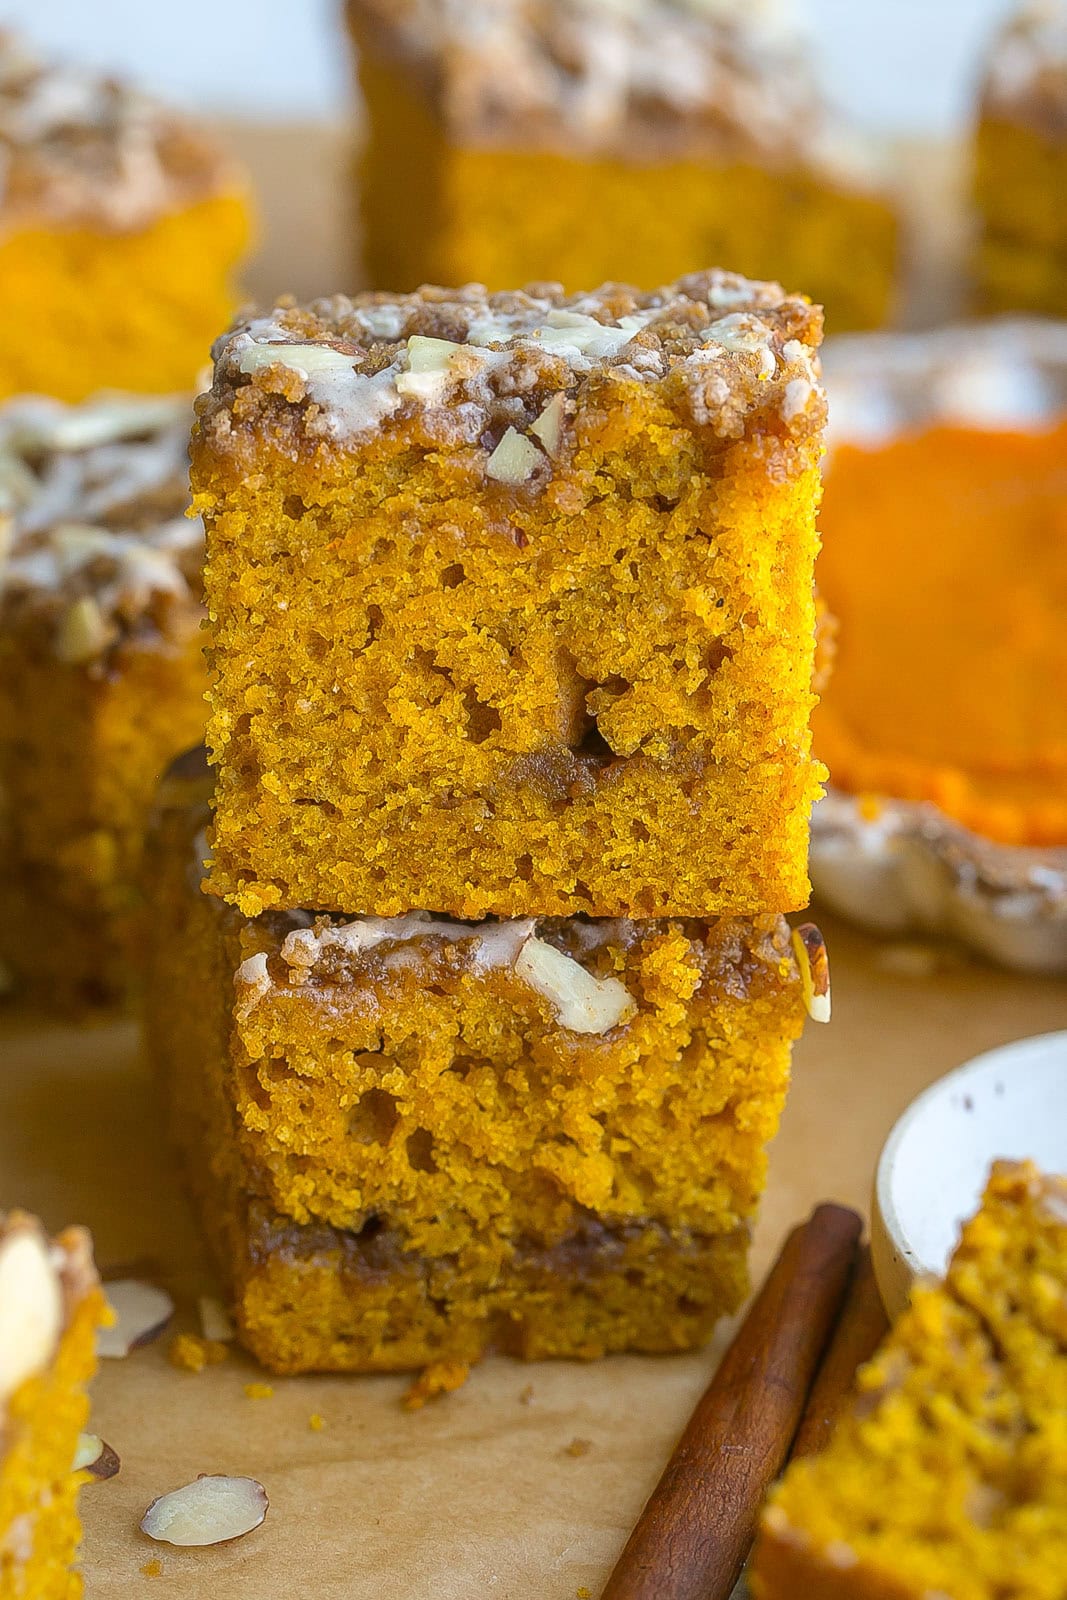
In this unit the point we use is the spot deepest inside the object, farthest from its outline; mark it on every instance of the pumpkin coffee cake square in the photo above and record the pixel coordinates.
(511, 601)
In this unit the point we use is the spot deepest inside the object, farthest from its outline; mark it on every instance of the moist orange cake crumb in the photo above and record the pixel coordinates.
(50, 1308)
(944, 529)
(1020, 165)
(102, 677)
(413, 1139)
(492, 127)
(949, 1476)
(120, 227)
(511, 601)
(190, 1353)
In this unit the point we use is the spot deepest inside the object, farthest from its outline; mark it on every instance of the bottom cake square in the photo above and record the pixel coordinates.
(413, 1140)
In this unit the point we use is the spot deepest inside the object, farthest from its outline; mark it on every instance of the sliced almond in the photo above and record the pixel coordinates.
(582, 1002)
(31, 1306)
(141, 1313)
(211, 1510)
(814, 963)
(306, 359)
(215, 1323)
(549, 425)
(514, 460)
(83, 632)
(95, 1457)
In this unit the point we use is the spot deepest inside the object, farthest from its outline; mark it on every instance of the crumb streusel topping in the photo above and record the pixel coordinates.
(94, 540)
(85, 148)
(591, 74)
(473, 366)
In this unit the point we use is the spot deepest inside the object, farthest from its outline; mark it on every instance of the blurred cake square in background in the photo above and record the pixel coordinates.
(511, 141)
(102, 677)
(121, 226)
(944, 562)
(1020, 165)
(51, 1305)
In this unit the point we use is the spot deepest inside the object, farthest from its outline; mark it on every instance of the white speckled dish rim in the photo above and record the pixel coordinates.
(1009, 1103)
(909, 870)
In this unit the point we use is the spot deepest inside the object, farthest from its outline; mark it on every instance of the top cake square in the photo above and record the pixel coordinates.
(512, 601)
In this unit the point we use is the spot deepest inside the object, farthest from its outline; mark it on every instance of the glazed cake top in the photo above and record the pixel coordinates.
(464, 366)
(1002, 375)
(667, 76)
(94, 540)
(42, 1281)
(81, 147)
(1027, 72)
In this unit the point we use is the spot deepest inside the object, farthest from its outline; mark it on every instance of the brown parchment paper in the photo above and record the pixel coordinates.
(477, 1495)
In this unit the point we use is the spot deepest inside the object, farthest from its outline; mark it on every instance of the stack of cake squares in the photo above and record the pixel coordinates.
(478, 1036)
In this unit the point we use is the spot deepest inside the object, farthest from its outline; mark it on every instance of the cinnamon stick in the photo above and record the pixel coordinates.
(860, 1329)
(691, 1540)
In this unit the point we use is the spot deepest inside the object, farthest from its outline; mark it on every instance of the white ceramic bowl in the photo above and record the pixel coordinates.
(1010, 1102)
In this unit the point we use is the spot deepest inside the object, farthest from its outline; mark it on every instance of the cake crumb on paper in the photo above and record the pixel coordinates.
(259, 1391)
(578, 1447)
(152, 1569)
(190, 1353)
(316, 1422)
(440, 1377)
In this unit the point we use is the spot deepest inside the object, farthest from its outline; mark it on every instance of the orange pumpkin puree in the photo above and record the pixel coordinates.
(945, 561)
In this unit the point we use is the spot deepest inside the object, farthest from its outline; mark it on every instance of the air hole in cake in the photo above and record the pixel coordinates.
(715, 655)
(374, 1117)
(429, 662)
(317, 645)
(663, 502)
(259, 1094)
(524, 868)
(293, 507)
(640, 831)
(594, 747)
(375, 618)
(452, 576)
(419, 1148)
(482, 720)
